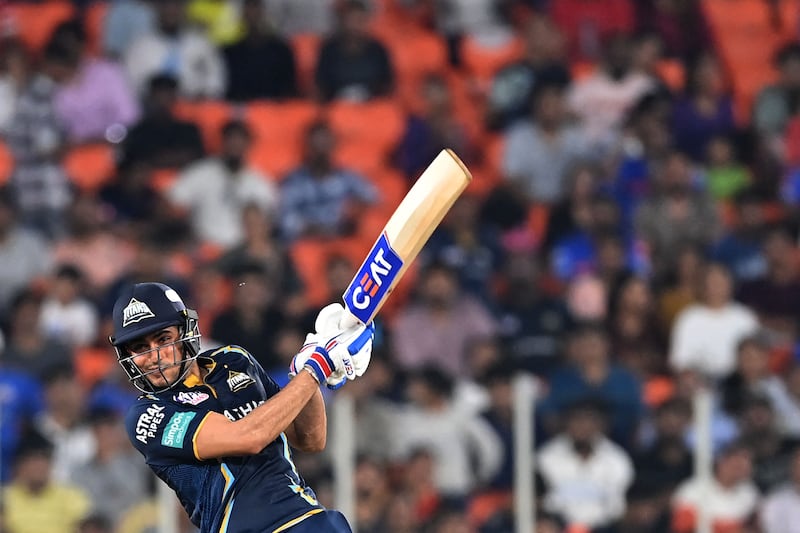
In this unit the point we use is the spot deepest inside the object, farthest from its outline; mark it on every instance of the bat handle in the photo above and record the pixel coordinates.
(348, 320)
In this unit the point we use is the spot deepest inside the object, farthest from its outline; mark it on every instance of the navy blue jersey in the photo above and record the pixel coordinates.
(254, 493)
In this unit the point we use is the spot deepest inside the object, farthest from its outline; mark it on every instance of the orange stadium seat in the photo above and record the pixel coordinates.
(275, 159)
(415, 55)
(746, 39)
(90, 166)
(672, 74)
(163, 178)
(306, 50)
(379, 124)
(6, 163)
(209, 116)
(482, 62)
(279, 131)
(93, 20)
(34, 22)
(93, 364)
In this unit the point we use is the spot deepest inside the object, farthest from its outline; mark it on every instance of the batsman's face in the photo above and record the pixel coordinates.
(158, 356)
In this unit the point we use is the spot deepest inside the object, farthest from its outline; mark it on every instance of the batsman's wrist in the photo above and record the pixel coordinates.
(312, 372)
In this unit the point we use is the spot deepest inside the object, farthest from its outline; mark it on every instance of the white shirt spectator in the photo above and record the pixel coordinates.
(465, 449)
(601, 103)
(190, 57)
(705, 339)
(540, 164)
(780, 511)
(74, 323)
(73, 448)
(301, 16)
(587, 491)
(216, 199)
(24, 255)
(725, 505)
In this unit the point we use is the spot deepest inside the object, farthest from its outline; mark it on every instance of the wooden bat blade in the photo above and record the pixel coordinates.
(406, 232)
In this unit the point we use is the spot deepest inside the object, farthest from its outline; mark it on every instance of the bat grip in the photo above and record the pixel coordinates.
(348, 320)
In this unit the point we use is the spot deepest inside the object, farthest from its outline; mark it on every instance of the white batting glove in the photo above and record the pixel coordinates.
(352, 345)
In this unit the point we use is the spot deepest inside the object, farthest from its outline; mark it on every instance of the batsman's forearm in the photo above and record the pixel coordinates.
(278, 413)
(309, 431)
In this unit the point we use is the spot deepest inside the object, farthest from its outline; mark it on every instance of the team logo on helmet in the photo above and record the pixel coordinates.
(136, 311)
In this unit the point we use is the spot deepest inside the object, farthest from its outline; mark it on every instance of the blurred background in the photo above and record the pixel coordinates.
(602, 336)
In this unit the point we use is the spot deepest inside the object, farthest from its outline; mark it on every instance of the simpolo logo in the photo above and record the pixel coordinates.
(176, 428)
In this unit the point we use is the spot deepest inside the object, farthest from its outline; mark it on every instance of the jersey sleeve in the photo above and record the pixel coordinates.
(164, 432)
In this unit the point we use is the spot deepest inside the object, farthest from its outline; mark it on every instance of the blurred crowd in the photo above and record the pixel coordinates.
(629, 239)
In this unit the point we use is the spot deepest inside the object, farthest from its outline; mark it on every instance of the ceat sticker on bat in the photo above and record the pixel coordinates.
(374, 279)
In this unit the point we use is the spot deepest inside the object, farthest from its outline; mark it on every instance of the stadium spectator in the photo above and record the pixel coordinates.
(788, 411)
(254, 316)
(113, 477)
(469, 246)
(36, 139)
(633, 326)
(465, 451)
(352, 65)
(125, 22)
(590, 372)
(160, 138)
(21, 403)
(771, 451)
(585, 474)
(752, 377)
(666, 460)
(675, 214)
(730, 499)
(681, 288)
(27, 348)
(705, 334)
(35, 503)
(215, 191)
(442, 310)
(133, 201)
(705, 110)
(260, 64)
(776, 103)
(602, 100)
(66, 315)
(63, 421)
(772, 295)
(93, 245)
(740, 246)
(319, 199)
(96, 103)
(540, 151)
(175, 49)
(512, 87)
(24, 254)
(372, 486)
(434, 127)
(531, 322)
(14, 74)
(780, 511)
(681, 25)
(726, 175)
(260, 245)
(574, 209)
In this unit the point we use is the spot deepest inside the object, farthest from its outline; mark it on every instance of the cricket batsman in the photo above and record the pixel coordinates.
(216, 428)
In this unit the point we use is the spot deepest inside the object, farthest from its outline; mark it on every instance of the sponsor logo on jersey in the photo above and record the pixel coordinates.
(148, 423)
(373, 280)
(136, 311)
(239, 380)
(191, 397)
(176, 428)
(237, 413)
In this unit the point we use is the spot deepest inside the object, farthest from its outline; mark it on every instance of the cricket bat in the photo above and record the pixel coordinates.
(404, 235)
